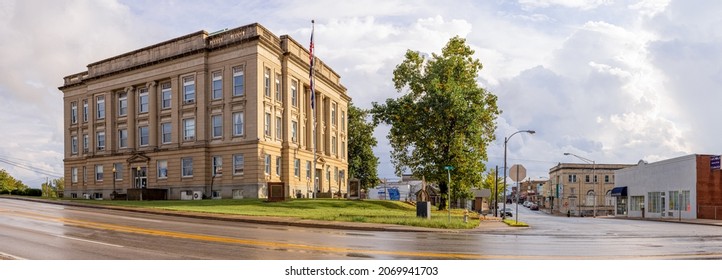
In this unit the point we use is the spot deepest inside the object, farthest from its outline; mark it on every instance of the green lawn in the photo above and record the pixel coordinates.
(368, 211)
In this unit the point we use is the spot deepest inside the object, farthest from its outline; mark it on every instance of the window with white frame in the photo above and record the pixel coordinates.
(162, 169)
(308, 169)
(268, 164)
(335, 174)
(217, 85)
(217, 122)
(278, 166)
(572, 178)
(238, 81)
(267, 125)
(238, 164)
(98, 172)
(187, 167)
(74, 175)
(118, 173)
(73, 144)
(333, 113)
(267, 82)
(100, 106)
(328, 173)
(294, 93)
(86, 143)
(100, 140)
(279, 128)
(297, 167)
(189, 89)
(74, 112)
(217, 165)
(636, 203)
(165, 130)
(343, 121)
(143, 136)
(334, 145)
(165, 93)
(123, 138)
(143, 100)
(85, 110)
(279, 96)
(238, 124)
(122, 104)
(654, 202)
(189, 129)
(294, 131)
(343, 149)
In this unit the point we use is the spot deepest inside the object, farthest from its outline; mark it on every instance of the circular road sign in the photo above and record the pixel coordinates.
(517, 172)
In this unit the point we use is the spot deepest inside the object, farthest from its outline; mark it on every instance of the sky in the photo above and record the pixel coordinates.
(609, 81)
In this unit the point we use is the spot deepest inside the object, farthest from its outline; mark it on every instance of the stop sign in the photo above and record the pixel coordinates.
(517, 172)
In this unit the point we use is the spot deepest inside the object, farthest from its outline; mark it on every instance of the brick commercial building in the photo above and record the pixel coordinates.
(225, 115)
(687, 187)
(581, 189)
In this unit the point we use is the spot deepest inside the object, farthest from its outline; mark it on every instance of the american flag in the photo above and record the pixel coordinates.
(310, 74)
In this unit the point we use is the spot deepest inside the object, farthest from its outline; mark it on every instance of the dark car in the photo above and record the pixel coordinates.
(534, 207)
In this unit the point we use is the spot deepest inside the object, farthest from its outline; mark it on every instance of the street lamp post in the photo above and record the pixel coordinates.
(112, 197)
(506, 140)
(594, 183)
(448, 190)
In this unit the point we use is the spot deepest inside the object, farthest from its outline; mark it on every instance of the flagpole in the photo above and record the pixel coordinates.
(313, 111)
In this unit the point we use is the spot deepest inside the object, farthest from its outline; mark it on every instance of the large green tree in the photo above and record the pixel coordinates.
(362, 162)
(8, 183)
(443, 118)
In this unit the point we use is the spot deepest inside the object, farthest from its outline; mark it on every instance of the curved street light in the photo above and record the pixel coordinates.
(506, 140)
(594, 183)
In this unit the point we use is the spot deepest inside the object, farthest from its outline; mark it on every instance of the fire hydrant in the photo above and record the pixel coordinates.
(466, 216)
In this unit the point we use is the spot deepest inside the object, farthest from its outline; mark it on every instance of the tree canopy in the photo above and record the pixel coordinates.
(362, 162)
(443, 118)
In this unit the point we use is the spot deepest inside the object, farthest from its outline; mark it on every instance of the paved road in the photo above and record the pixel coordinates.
(32, 230)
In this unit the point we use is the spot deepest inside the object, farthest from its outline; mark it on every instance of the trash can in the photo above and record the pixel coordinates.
(423, 209)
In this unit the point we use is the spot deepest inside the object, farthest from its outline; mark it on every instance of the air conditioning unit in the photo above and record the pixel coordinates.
(186, 195)
(189, 138)
(197, 195)
(101, 148)
(189, 101)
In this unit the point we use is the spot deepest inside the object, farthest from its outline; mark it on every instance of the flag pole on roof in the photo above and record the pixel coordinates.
(311, 61)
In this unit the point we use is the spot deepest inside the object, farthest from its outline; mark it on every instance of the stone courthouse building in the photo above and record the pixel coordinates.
(226, 115)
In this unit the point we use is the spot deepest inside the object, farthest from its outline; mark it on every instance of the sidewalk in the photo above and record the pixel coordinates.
(281, 221)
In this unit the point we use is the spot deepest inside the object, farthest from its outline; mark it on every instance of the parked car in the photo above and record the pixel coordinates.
(534, 207)
(506, 213)
(526, 203)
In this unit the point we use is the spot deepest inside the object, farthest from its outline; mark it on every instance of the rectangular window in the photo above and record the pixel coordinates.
(123, 138)
(238, 164)
(586, 178)
(100, 137)
(343, 149)
(654, 204)
(165, 93)
(335, 174)
(308, 169)
(85, 110)
(74, 175)
(118, 171)
(162, 169)
(267, 82)
(572, 178)
(74, 144)
(333, 114)
(268, 165)
(279, 96)
(217, 122)
(294, 93)
(297, 167)
(343, 121)
(334, 145)
(238, 81)
(635, 203)
(187, 167)
(165, 131)
(278, 166)
(86, 143)
(122, 104)
(189, 129)
(294, 131)
(99, 173)
(143, 136)
(100, 104)
(217, 85)
(143, 100)
(216, 168)
(328, 173)
(73, 112)
(238, 124)
(189, 89)
(279, 128)
(267, 125)
(606, 178)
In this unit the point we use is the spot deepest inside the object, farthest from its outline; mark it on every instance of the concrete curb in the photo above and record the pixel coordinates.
(281, 221)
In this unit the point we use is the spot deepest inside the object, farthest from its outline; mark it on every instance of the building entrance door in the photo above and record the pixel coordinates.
(319, 183)
(141, 177)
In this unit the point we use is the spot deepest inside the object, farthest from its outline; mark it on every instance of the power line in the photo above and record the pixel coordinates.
(30, 168)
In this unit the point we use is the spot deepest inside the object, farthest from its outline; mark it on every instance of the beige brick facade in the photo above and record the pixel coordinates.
(163, 114)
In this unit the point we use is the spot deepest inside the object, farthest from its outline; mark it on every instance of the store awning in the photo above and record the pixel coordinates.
(619, 191)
